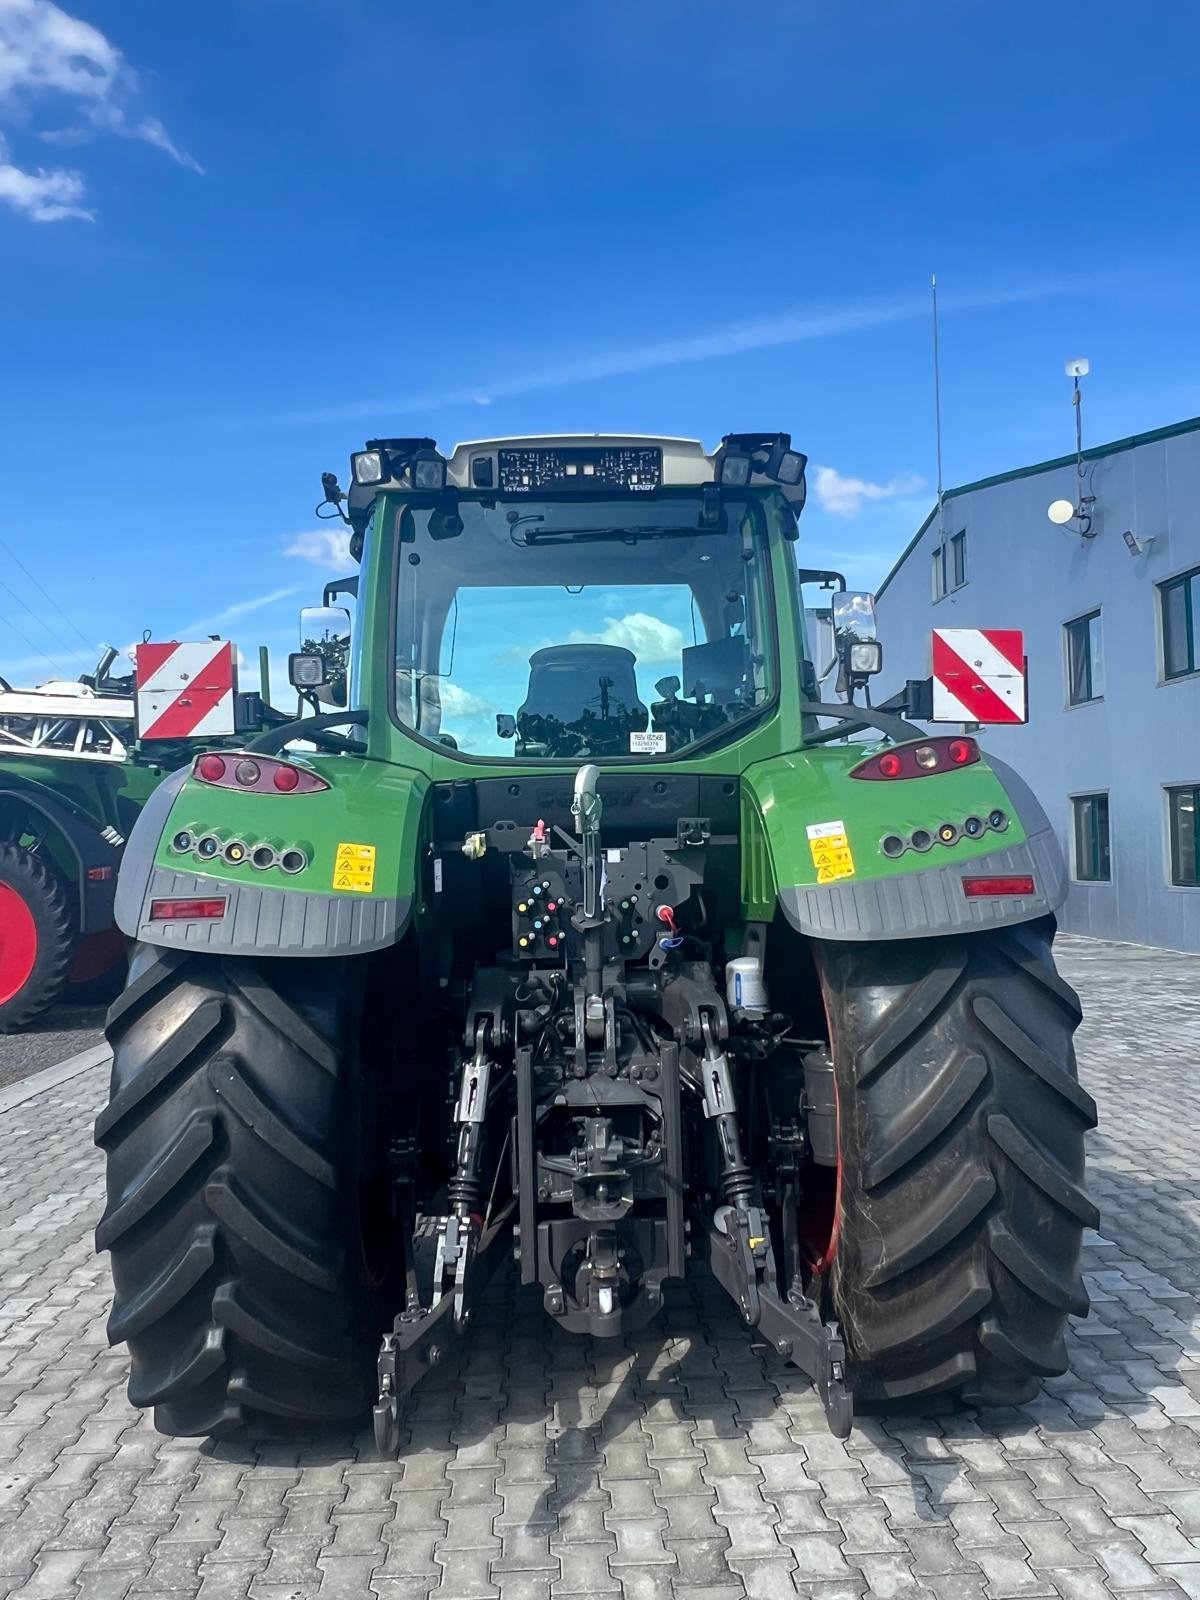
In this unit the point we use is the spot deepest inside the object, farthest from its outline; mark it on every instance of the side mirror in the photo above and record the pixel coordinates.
(667, 688)
(325, 635)
(859, 653)
(506, 725)
(854, 615)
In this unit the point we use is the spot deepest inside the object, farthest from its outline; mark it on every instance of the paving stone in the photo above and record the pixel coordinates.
(683, 1461)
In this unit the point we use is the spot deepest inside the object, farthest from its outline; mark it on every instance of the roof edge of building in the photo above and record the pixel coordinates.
(1095, 453)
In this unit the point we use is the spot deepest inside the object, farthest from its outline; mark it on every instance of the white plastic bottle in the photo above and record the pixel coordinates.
(744, 987)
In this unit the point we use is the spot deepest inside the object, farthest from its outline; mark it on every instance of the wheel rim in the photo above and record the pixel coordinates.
(18, 943)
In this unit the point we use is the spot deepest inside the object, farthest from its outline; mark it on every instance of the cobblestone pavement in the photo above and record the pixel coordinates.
(685, 1463)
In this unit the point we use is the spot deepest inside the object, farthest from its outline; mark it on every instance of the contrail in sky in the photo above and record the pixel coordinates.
(728, 339)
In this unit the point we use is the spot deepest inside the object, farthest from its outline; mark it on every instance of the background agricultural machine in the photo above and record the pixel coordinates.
(78, 760)
(590, 942)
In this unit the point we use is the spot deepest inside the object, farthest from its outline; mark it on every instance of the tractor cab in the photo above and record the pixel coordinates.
(586, 601)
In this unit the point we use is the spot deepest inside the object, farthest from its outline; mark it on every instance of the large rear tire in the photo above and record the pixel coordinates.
(961, 1201)
(232, 1217)
(37, 937)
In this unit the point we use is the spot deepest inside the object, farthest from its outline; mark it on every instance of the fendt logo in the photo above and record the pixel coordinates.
(979, 675)
(185, 691)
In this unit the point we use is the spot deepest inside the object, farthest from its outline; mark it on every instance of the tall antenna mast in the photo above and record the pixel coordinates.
(937, 404)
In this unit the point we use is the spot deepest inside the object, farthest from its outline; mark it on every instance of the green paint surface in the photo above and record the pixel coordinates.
(381, 799)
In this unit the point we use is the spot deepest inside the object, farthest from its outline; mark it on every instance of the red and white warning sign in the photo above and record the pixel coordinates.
(979, 675)
(185, 691)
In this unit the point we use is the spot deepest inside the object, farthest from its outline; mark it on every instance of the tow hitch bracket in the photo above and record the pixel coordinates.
(793, 1326)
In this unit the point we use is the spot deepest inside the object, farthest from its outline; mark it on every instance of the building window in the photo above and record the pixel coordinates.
(950, 565)
(1183, 812)
(1180, 603)
(1085, 660)
(939, 572)
(1092, 861)
(958, 560)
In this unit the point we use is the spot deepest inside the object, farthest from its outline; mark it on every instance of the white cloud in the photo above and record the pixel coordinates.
(845, 497)
(40, 195)
(44, 52)
(41, 47)
(650, 638)
(324, 547)
(456, 701)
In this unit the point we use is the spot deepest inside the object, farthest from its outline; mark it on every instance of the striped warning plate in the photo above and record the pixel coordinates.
(979, 675)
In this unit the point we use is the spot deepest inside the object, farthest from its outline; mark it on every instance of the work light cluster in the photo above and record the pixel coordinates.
(948, 833)
(209, 848)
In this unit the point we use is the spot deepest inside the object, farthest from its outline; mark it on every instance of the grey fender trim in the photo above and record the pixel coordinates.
(137, 862)
(924, 904)
(270, 922)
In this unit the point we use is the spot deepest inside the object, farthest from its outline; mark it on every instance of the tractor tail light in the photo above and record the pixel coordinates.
(256, 774)
(988, 888)
(186, 910)
(918, 759)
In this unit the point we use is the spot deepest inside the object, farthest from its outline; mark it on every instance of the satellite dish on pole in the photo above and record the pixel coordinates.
(1060, 511)
(1079, 368)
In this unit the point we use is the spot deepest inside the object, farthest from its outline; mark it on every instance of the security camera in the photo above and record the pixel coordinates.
(1136, 546)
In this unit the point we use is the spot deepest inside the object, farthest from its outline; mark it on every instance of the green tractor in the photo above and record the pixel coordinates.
(574, 929)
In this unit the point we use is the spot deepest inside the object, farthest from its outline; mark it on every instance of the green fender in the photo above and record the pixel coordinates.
(813, 835)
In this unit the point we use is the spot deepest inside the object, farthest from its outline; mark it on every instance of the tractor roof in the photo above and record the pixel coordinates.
(684, 461)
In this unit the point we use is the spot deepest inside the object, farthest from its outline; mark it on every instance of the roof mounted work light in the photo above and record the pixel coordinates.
(733, 469)
(743, 459)
(428, 470)
(762, 455)
(366, 467)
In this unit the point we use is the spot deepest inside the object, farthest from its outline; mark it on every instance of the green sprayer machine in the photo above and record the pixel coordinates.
(574, 929)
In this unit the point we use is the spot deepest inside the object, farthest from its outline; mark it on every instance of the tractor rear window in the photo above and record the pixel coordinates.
(552, 631)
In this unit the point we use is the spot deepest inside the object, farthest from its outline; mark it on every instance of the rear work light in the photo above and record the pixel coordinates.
(985, 888)
(918, 760)
(255, 774)
(186, 910)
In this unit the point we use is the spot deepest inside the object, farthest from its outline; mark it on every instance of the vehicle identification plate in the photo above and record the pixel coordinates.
(830, 850)
(354, 868)
(647, 744)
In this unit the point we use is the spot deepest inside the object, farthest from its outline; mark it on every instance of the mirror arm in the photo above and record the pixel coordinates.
(340, 586)
(825, 577)
(274, 739)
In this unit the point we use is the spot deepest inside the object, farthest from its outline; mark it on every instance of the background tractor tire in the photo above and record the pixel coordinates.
(231, 1221)
(961, 1200)
(37, 937)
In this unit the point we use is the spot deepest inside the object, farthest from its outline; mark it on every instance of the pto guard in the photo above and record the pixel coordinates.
(263, 917)
(930, 900)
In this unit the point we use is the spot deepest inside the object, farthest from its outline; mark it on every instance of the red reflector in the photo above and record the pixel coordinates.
(185, 910)
(286, 779)
(891, 766)
(976, 888)
(210, 768)
(99, 874)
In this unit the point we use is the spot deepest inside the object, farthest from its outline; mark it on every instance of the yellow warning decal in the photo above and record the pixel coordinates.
(830, 849)
(354, 868)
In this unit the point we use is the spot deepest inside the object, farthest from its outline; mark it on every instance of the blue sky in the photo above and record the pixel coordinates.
(235, 242)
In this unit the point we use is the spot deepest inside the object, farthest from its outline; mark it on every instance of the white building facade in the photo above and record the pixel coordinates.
(1112, 635)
